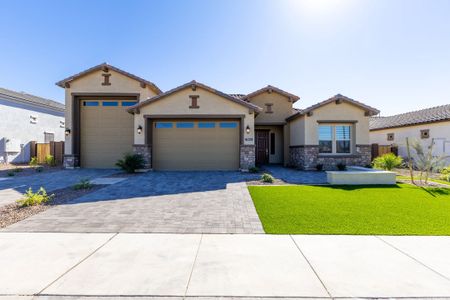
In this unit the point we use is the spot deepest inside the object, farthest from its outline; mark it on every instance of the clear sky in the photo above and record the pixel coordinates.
(390, 54)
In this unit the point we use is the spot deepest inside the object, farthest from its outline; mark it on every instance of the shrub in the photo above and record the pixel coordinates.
(17, 170)
(39, 169)
(33, 161)
(445, 174)
(253, 170)
(11, 174)
(30, 198)
(319, 167)
(341, 166)
(131, 162)
(50, 160)
(387, 161)
(267, 178)
(84, 184)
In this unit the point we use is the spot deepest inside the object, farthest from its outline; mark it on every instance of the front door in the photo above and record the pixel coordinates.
(262, 147)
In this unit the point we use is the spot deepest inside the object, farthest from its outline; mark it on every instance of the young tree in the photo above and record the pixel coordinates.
(410, 162)
(425, 161)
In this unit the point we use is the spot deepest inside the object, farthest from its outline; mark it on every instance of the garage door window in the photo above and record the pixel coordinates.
(163, 125)
(228, 125)
(110, 103)
(185, 125)
(128, 103)
(206, 125)
(90, 103)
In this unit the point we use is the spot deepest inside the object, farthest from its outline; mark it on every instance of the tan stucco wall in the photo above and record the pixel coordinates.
(282, 107)
(210, 104)
(439, 131)
(304, 130)
(92, 83)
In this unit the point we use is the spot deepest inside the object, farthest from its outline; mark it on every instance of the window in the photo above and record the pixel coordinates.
(49, 137)
(390, 136)
(228, 125)
(425, 133)
(110, 103)
(325, 139)
(335, 139)
(163, 125)
(185, 125)
(272, 143)
(90, 103)
(206, 125)
(128, 103)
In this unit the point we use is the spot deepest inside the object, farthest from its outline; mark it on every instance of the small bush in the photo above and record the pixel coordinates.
(39, 169)
(267, 178)
(253, 170)
(33, 161)
(11, 174)
(319, 167)
(30, 198)
(17, 170)
(131, 162)
(387, 161)
(445, 174)
(341, 167)
(50, 160)
(84, 184)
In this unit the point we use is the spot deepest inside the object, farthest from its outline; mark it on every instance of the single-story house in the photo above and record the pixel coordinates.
(195, 127)
(26, 118)
(431, 125)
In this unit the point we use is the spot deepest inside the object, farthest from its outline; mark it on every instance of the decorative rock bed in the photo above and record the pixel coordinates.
(361, 176)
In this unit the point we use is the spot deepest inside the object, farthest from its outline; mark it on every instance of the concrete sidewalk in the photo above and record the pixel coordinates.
(74, 265)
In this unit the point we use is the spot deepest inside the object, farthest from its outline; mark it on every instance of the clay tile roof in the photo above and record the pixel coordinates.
(27, 98)
(238, 96)
(63, 82)
(428, 115)
(194, 83)
(370, 110)
(271, 88)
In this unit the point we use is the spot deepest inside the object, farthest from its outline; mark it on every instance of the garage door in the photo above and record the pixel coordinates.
(106, 132)
(196, 145)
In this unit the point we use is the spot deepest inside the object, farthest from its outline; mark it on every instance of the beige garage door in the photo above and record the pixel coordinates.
(196, 145)
(106, 132)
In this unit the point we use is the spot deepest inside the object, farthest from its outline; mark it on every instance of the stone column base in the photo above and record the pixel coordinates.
(146, 152)
(71, 161)
(247, 157)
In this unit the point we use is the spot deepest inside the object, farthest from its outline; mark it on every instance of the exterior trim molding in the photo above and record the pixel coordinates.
(337, 121)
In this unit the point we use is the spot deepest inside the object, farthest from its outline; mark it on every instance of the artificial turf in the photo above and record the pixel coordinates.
(402, 209)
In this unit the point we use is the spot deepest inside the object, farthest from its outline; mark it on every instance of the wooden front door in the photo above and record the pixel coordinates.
(262, 147)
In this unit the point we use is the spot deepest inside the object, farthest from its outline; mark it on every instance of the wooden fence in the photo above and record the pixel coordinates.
(379, 150)
(42, 150)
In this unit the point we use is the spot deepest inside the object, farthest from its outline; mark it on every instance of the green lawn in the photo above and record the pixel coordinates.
(416, 178)
(402, 209)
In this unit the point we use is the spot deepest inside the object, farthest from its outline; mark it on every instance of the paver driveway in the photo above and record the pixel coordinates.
(174, 202)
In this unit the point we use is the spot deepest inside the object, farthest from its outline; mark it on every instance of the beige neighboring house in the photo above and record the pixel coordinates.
(195, 127)
(431, 125)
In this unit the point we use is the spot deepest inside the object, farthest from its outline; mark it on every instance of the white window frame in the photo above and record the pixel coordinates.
(334, 140)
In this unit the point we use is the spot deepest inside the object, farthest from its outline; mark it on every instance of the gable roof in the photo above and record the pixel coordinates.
(370, 110)
(194, 84)
(271, 89)
(31, 99)
(102, 66)
(428, 115)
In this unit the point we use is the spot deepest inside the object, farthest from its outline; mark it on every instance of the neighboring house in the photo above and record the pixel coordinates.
(195, 127)
(431, 125)
(26, 118)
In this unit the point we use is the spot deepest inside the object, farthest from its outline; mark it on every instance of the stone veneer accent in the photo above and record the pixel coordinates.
(146, 152)
(71, 161)
(307, 157)
(247, 157)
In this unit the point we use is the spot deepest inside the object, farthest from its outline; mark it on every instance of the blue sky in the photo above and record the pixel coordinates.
(391, 54)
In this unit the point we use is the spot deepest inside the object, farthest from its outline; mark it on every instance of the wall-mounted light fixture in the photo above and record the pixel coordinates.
(67, 132)
(247, 129)
(139, 129)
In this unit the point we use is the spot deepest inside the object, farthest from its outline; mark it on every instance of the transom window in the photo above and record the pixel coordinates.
(206, 125)
(335, 139)
(163, 125)
(185, 125)
(228, 125)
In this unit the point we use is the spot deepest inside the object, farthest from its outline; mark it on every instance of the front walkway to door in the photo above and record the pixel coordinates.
(174, 202)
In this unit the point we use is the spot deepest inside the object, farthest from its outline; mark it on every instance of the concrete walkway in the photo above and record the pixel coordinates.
(53, 265)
